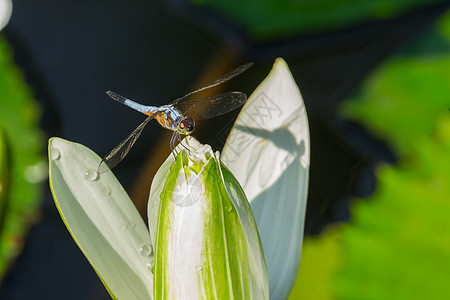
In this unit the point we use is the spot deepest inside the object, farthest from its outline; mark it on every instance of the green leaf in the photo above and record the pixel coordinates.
(268, 152)
(4, 176)
(397, 245)
(19, 121)
(102, 220)
(269, 20)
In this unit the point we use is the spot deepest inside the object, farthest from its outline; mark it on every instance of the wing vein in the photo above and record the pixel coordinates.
(120, 151)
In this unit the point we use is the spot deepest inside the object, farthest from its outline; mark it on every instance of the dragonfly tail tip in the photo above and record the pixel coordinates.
(113, 95)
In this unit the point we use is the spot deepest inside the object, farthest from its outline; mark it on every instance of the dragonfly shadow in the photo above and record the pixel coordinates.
(282, 138)
(279, 209)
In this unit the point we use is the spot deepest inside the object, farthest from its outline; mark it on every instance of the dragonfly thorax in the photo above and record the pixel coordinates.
(170, 118)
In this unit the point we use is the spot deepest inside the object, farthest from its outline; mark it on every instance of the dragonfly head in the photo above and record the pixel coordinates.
(186, 126)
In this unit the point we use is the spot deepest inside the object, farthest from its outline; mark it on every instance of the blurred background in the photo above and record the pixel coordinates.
(375, 78)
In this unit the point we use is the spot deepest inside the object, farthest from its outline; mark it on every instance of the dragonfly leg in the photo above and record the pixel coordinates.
(172, 144)
(181, 143)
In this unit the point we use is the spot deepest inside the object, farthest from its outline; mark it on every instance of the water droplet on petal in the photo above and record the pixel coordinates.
(91, 175)
(123, 227)
(228, 208)
(149, 267)
(146, 250)
(54, 154)
(198, 268)
(132, 225)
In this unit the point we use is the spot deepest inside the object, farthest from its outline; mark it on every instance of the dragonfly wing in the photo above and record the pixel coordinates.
(210, 107)
(220, 80)
(119, 152)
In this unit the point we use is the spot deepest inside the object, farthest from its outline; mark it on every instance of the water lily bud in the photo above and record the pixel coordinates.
(206, 241)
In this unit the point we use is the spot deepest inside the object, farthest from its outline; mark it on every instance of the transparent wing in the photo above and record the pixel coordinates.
(121, 150)
(210, 107)
(220, 80)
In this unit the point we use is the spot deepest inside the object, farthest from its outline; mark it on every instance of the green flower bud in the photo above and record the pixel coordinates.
(206, 241)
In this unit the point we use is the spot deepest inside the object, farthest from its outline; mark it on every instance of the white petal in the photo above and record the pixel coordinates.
(102, 219)
(268, 152)
(159, 180)
(5, 12)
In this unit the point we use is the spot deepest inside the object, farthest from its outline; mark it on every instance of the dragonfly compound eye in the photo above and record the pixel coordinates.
(187, 125)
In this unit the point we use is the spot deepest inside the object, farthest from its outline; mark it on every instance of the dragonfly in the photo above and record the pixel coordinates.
(178, 116)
